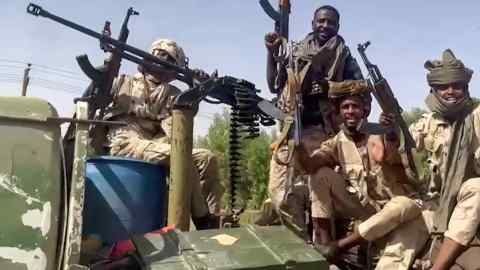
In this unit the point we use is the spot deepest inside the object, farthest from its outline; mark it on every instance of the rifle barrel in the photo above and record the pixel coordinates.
(37, 10)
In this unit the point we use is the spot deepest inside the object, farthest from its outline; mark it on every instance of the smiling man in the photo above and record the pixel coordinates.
(373, 189)
(321, 57)
(450, 134)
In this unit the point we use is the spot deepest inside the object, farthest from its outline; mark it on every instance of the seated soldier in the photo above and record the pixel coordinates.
(144, 102)
(322, 55)
(373, 189)
(451, 136)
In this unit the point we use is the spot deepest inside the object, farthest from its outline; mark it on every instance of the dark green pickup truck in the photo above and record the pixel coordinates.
(42, 221)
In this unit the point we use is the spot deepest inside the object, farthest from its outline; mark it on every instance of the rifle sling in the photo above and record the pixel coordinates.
(288, 125)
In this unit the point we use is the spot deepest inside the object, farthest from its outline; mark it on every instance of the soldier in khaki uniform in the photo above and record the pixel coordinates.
(451, 136)
(373, 186)
(322, 56)
(144, 102)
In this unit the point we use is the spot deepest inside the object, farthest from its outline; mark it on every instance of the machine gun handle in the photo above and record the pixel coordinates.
(86, 66)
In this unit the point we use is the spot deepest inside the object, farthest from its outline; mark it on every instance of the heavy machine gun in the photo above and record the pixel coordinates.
(121, 49)
(248, 110)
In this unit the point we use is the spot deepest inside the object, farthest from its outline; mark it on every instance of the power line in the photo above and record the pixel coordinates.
(40, 66)
(56, 69)
(10, 80)
(11, 66)
(60, 74)
(54, 88)
(63, 84)
(9, 74)
(12, 61)
(57, 88)
(36, 68)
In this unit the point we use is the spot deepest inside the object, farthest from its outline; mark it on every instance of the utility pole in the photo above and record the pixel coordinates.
(26, 79)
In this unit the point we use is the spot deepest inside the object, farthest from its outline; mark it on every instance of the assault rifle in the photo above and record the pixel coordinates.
(292, 125)
(281, 20)
(387, 101)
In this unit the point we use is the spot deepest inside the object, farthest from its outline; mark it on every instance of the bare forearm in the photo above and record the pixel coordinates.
(392, 142)
(273, 73)
(311, 163)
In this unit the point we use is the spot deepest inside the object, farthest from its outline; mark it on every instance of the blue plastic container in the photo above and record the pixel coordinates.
(123, 197)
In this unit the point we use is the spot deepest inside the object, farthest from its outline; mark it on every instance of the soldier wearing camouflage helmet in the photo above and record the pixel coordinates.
(144, 102)
(372, 189)
(450, 134)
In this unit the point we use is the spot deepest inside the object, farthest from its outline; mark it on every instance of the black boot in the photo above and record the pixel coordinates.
(321, 231)
(213, 221)
(206, 222)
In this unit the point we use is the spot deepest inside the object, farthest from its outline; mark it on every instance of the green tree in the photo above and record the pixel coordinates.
(413, 115)
(217, 139)
(255, 162)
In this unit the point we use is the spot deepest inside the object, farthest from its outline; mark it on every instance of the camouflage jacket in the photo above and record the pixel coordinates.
(432, 134)
(143, 103)
(373, 183)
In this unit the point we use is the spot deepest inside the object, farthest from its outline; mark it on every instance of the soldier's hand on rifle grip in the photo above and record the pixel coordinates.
(302, 158)
(387, 119)
(272, 41)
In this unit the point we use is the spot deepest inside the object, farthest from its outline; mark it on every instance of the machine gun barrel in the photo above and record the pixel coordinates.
(128, 52)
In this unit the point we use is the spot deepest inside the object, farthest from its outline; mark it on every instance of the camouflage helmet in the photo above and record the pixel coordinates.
(172, 48)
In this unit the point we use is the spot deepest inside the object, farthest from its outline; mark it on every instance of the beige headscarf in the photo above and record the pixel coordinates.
(338, 90)
(347, 88)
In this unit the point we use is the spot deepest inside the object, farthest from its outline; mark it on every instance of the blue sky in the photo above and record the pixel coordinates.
(228, 35)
